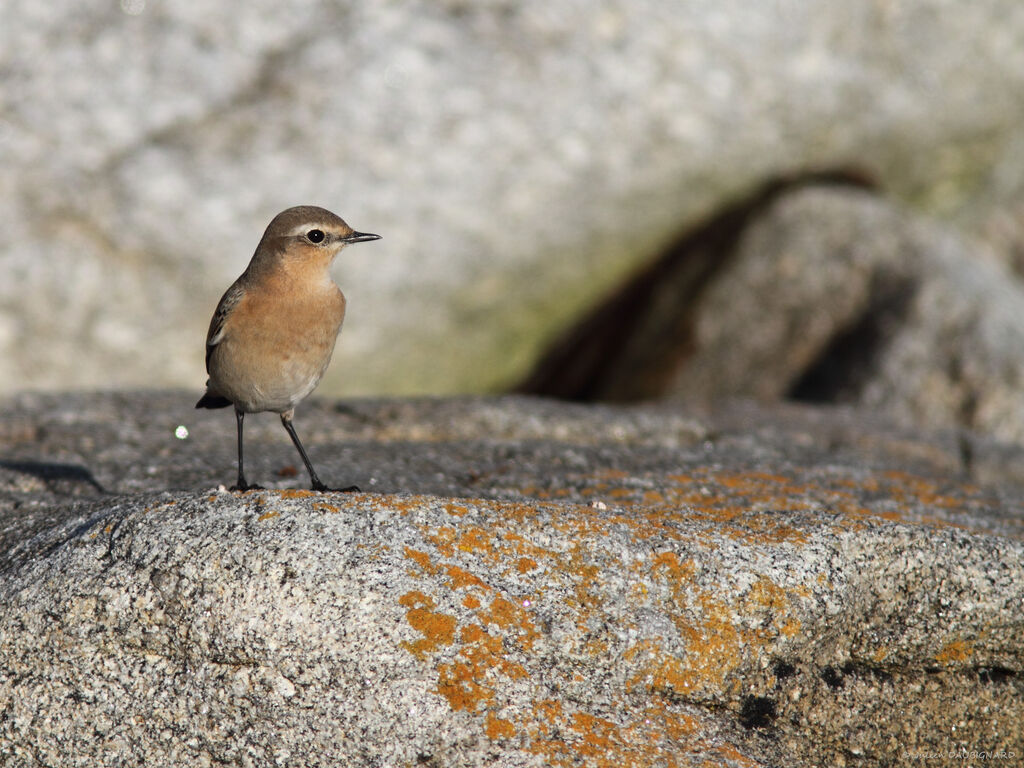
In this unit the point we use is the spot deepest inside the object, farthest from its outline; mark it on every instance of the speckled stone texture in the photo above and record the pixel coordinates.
(527, 584)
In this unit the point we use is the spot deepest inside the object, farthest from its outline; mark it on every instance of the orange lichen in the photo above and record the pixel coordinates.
(160, 505)
(462, 578)
(408, 504)
(474, 540)
(714, 644)
(717, 630)
(513, 544)
(293, 493)
(268, 515)
(764, 592)
(437, 628)
(547, 710)
(597, 734)
(508, 615)
(733, 755)
(457, 684)
(675, 726)
(672, 676)
(484, 651)
(745, 505)
(444, 540)
(415, 599)
(422, 559)
(669, 561)
(958, 650)
(464, 683)
(496, 728)
(525, 564)
(657, 735)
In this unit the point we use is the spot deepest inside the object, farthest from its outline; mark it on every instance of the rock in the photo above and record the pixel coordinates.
(540, 153)
(814, 292)
(529, 584)
(835, 297)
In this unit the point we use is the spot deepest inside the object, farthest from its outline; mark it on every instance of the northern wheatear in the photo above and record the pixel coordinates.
(273, 333)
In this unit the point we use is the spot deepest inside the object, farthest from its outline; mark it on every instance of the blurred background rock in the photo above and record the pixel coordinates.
(598, 200)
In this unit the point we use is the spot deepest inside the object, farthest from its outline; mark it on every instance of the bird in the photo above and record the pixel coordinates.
(273, 333)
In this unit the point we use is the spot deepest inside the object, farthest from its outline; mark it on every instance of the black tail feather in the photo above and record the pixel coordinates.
(213, 401)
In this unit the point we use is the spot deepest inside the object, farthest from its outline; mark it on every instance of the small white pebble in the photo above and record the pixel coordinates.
(181, 432)
(598, 505)
(284, 687)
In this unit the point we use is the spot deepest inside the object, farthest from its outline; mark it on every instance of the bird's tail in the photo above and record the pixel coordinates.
(210, 400)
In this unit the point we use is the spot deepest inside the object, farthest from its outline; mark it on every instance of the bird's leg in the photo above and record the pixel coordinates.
(241, 485)
(286, 420)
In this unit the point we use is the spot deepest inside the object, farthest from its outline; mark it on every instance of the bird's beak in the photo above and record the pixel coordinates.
(359, 237)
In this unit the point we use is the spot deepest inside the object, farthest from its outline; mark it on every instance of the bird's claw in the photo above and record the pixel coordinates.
(321, 488)
(243, 487)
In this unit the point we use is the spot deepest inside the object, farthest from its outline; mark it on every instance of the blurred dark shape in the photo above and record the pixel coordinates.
(55, 474)
(630, 345)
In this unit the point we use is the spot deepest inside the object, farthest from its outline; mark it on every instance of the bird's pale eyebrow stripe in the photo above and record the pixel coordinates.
(302, 229)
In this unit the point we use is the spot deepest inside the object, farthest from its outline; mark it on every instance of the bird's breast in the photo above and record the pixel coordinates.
(304, 318)
(277, 344)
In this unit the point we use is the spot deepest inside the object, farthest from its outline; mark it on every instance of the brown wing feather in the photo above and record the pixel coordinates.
(227, 303)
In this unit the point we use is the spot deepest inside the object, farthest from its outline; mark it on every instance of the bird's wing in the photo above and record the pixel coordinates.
(227, 303)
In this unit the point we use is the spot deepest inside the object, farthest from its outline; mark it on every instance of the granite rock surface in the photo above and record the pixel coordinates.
(522, 583)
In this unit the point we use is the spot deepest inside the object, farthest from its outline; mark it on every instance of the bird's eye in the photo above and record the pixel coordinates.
(315, 236)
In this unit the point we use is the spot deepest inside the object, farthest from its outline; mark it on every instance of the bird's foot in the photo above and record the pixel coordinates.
(321, 488)
(243, 487)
